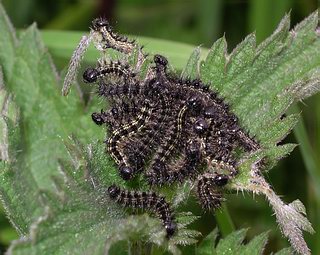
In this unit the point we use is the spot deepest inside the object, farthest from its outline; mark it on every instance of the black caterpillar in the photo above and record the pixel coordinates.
(169, 128)
(149, 201)
(110, 39)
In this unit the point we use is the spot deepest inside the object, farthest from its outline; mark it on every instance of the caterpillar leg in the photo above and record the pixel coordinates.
(99, 118)
(149, 201)
(111, 117)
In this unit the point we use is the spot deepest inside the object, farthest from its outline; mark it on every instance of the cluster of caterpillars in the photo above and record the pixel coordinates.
(167, 128)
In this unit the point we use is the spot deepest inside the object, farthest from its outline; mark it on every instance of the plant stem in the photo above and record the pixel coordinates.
(224, 221)
(313, 169)
(307, 153)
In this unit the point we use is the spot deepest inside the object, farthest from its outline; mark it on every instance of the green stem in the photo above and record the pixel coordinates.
(307, 153)
(260, 19)
(224, 221)
(313, 169)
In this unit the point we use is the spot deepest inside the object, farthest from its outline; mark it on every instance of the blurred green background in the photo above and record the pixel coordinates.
(200, 22)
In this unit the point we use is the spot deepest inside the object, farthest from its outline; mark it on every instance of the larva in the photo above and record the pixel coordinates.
(153, 132)
(140, 145)
(183, 168)
(106, 38)
(120, 114)
(159, 171)
(116, 69)
(219, 110)
(148, 201)
(165, 152)
(208, 190)
(126, 171)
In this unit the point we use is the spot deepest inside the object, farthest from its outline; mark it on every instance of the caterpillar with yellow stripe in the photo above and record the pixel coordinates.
(126, 170)
(106, 38)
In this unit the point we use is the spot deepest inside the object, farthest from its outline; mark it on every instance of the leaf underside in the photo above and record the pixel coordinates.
(53, 186)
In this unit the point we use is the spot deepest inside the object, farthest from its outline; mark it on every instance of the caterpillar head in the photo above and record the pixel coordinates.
(99, 23)
(113, 191)
(90, 75)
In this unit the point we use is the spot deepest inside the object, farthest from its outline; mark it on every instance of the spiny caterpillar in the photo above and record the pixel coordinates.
(148, 201)
(208, 189)
(169, 128)
(105, 37)
(126, 170)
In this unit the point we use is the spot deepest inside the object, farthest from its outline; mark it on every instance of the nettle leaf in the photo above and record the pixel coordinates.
(285, 251)
(232, 244)
(260, 83)
(81, 219)
(8, 41)
(35, 138)
(191, 70)
(208, 244)
(17, 190)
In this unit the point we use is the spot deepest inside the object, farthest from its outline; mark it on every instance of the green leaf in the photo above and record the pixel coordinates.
(81, 219)
(78, 218)
(232, 244)
(282, 69)
(45, 200)
(279, 129)
(36, 135)
(256, 245)
(191, 71)
(247, 76)
(8, 41)
(285, 251)
(260, 83)
(207, 245)
(213, 68)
